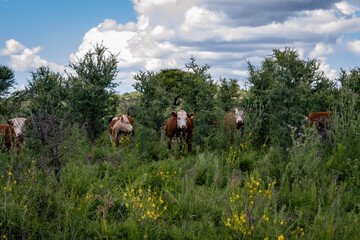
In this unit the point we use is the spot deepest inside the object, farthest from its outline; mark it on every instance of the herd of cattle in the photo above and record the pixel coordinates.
(180, 125)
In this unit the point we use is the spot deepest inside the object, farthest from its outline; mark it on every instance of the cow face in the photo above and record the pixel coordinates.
(181, 119)
(239, 116)
(19, 125)
(123, 124)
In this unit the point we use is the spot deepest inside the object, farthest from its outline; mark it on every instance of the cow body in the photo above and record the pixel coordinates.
(321, 121)
(7, 137)
(120, 126)
(180, 125)
(233, 120)
(19, 125)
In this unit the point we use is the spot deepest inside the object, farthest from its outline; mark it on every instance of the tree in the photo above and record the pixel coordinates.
(46, 91)
(288, 88)
(229, 91)
(7, 79)
(92, 91)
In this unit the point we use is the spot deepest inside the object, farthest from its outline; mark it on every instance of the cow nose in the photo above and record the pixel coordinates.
(183, 126)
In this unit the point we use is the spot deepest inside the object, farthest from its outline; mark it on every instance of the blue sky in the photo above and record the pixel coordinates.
(156, 34)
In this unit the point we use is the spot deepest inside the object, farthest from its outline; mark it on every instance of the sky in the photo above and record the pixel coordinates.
(149, 35)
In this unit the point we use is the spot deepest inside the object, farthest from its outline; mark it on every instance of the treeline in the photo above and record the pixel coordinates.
(281, 91)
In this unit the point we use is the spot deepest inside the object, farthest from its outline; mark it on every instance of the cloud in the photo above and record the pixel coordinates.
(320, 50)
(25, 59)
(354, 46)
(223, 33)
(12, 47)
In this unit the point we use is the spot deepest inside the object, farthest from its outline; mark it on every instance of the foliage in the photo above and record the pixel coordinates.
(307, 188)
(288, 88)
(7, 80)
(92, 89)
(47, 91)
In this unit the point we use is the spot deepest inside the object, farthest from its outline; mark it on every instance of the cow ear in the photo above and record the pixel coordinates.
(28, 120)
(189, 115)
(173, 114)
(9, 121)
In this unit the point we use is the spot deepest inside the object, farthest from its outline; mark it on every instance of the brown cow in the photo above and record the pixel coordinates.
(19, 125)
(7, 137)
(232, 120)
(322, 122)
(120, 126)
(180, 124)
(320, 119)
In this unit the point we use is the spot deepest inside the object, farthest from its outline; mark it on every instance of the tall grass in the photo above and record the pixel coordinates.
(140, 190)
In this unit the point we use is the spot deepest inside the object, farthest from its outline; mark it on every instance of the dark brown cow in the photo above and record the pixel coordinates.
(180, 124)
(120, 126)
(7, 137)
(320, 119)
(322, 122)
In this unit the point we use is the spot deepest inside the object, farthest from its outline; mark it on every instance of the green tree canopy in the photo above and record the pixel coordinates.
(92, 89)
(289, 88)
(7, 79)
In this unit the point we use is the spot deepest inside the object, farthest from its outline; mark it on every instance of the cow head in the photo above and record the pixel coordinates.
(173, 114)
(19, 125)
(239, 116)
(181, 119)
(123, 123)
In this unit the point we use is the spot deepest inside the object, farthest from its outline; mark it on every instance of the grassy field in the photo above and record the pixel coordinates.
(139, 190)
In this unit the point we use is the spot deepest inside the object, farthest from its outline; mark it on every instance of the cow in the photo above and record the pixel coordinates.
(234, 119)
(7, 137)
(321, 121)
(180, 125)
(120, 126)
(19, 125)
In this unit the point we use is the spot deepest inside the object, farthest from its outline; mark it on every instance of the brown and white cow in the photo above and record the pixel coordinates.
(120, 126)
(232, 120)
(19, 125)
(180, 125)
(7, 137)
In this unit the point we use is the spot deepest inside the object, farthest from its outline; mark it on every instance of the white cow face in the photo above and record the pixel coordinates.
(239, 116)
(123, 124)
(19, 125)
(181, 119)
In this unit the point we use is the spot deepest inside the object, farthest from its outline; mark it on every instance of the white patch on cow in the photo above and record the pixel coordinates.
(122, 125)
(181, 119)
(19, 125)
(238, 115)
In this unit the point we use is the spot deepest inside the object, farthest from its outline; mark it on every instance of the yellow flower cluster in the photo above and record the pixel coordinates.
(298, 232)
(241, 222)
(144, 204)
(163, 173)
(233, 156)
(256, 188)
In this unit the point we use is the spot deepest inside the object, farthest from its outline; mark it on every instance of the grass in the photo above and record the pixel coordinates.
(141, 191)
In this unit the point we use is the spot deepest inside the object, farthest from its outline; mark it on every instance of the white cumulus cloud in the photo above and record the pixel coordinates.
(354, 46)
(26, 59)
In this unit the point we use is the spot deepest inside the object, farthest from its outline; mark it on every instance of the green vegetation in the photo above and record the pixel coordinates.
(278, 180)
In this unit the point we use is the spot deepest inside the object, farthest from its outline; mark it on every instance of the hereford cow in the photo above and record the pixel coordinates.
(7, 136)
(180, 124)
(120, 126)
(322, 122)
(19, 125)
(232, 120)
